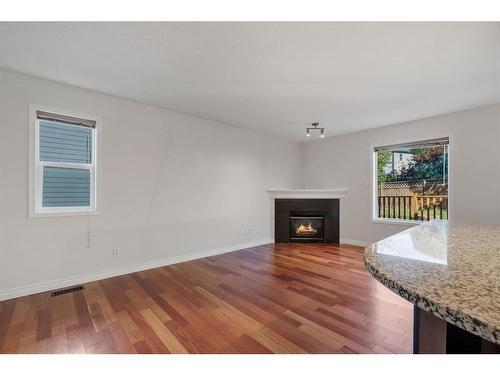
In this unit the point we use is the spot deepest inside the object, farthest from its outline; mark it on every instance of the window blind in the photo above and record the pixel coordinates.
(64, 119)
(409, 146)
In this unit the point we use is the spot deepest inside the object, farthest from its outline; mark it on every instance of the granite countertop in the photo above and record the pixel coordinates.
(449, 269)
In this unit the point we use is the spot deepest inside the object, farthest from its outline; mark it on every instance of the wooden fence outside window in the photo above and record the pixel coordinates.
(420, 200)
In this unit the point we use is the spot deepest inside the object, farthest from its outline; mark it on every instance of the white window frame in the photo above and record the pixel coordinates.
(36, 208)
(374, 187)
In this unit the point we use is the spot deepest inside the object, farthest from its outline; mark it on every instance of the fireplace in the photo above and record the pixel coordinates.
(306, 220)
(307, 228)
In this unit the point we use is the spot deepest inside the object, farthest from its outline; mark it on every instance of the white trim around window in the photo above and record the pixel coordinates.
(36, 167)
(373, 216)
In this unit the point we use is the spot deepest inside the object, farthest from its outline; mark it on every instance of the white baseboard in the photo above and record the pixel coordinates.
(81, 279)
(348, 241)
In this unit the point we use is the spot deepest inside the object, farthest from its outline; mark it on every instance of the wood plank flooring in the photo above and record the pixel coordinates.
(276, 298)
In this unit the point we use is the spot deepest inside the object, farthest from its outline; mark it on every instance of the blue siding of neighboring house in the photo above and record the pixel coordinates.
(65, 187)
(65, 143)
(59, 142)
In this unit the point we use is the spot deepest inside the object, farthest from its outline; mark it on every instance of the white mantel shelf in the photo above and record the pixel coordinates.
(334, 193)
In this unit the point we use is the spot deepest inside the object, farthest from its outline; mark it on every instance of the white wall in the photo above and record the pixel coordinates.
(474, 168)
(177, 187)
(173, 186)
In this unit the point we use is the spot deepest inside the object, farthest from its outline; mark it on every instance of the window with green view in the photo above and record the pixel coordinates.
(411, 181)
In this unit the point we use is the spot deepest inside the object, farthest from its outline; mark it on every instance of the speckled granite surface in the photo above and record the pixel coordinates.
(449, 269)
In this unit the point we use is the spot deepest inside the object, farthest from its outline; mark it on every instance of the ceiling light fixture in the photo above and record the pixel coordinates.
(315, 127)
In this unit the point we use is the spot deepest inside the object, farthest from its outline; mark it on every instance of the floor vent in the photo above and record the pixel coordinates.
(68, 290)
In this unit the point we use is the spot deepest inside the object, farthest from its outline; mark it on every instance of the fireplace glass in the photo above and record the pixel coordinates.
(307, 228)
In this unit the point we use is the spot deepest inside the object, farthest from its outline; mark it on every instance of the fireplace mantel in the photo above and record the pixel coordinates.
(334, 193)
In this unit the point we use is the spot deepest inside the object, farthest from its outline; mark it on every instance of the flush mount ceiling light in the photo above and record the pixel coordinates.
(315, 127)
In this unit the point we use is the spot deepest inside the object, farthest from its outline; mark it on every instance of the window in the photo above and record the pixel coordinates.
(64, 164)
(411, 181)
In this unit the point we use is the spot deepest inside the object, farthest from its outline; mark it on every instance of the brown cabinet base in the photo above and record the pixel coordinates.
(432, 335)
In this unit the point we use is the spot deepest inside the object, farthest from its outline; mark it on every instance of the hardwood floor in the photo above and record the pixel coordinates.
(276, 298)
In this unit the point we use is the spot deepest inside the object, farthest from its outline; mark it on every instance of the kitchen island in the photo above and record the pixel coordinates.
(450, 271)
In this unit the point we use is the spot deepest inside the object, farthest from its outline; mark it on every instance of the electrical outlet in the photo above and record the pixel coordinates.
(116, 252)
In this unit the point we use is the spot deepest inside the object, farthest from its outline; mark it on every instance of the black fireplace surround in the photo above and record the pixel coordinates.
(306, 220)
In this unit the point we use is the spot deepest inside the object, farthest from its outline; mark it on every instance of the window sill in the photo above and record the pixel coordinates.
(396, 222)
(34, 215)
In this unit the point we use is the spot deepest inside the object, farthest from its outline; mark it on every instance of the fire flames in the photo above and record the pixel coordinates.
(306, 229)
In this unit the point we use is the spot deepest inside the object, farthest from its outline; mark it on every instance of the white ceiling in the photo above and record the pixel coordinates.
(275, 77)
